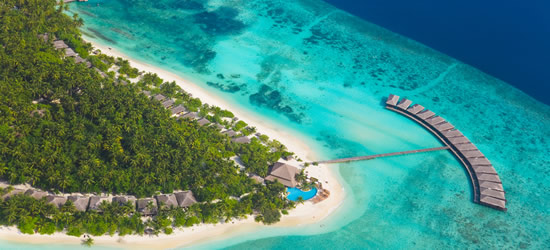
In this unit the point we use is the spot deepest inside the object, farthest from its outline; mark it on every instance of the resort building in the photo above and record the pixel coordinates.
(69, 52)
(123, 200)
(230, 133)
(242, 139)
(80, 202)
(190, 115)
(167, 201)
(96, 201)
(284, 173)
(159, 97)
(37, 194)
(257, 178)
(168, 103)
(178, 110)
(147, 206)
(60, 44)
(57, 201)
(13, 192)
(185, 198)
(203, 121)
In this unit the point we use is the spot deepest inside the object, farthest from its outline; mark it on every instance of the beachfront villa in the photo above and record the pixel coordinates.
(284, 173)
(167, 201)
(242, 140)
(144, 208)
(121, 200)
(80, 202)
(185, 198)
(178, 110)
(57, 201)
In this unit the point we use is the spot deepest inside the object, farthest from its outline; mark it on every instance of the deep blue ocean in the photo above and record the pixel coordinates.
(506, 39)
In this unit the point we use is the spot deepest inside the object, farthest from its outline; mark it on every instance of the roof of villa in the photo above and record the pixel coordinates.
(185, 198)
(284, 173)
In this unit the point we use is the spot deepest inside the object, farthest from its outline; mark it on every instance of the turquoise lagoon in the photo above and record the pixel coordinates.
(295, 193)
(324, 74)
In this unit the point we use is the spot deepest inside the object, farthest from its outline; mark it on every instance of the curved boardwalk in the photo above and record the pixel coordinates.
(486, 184)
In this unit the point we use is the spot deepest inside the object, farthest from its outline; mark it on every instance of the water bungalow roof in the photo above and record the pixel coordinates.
(472, 154)
(404, 104)
(414, 109)
(489, 177)
(392, 100)
(493, 193)
(185, 198)
(458, 140)
(452, 133)
(466, 147)
(479, 161)
(426, 114)
(492, 201)
(444, 126)
(491, 185)
(435, 120)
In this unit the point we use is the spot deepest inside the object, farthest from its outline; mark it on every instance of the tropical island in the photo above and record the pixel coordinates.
(91, 145)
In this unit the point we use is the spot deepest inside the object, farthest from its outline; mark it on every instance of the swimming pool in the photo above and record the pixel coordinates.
(294, 193)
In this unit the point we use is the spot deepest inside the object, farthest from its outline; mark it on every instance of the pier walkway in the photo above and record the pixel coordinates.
(369, 157)
(486, 185)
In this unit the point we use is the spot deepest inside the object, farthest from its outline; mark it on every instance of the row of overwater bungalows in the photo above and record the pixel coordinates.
(486, 183)
(146, 206)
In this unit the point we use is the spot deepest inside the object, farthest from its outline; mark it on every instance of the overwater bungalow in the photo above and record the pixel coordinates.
(203, 121)
(147, 206)
(80, 202)
(284, 173)
(167, 201)
(242, 140)
(55, 200)
(178, 110)
(37, 194)
(95, 202)
(125, 199)
(168, 103)
(230, 133)
(185, 198)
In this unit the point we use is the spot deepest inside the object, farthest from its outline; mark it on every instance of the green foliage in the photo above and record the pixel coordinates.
(239, 125)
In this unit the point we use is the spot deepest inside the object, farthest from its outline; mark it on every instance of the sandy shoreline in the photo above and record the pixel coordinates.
(307, 213)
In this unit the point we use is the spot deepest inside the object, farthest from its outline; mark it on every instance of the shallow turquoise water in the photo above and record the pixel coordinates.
(296, 193)
(323, 73)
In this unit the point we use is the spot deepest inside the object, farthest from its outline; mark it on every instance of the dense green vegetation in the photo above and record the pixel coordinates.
(88, 133)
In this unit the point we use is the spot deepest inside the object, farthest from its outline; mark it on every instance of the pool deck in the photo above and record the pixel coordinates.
(486, 184)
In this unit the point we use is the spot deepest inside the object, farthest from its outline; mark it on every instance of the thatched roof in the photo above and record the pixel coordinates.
(147, 93)
(219, 126)
(167, 201)
(168, 103)
(242, 139)
(190, 115)
(70, 52)
(392, 100)
(95, 202)
(80, 202)
(60, 44)
(13, 192)
(257, 178)
(159, 97)
(55, 200)
(178, 110)
(124, 199)
(142, 206)
(37, 194)
(203, 121)
(284, 173)
(185, 198)
(230, 133)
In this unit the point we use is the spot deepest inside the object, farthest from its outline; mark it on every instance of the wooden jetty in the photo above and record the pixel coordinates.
(486, 185)
(369, 157)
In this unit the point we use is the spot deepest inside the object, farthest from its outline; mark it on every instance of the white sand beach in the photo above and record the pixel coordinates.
(304, 214)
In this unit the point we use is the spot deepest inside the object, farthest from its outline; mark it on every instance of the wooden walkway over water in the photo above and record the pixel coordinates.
(369, 157)
(486, 185)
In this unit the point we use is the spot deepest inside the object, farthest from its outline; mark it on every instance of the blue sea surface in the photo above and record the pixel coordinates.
(506, 39)
(323, 73)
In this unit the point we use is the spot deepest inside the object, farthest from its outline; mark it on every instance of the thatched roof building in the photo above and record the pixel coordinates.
(55, 200)
(190, 115)
(242, 139)
(167, 201)
(80, 202)
(178, 110)
(284, 173)
(257, 178)
(37, 194)
(168, 103)
(230, 133)
(203, 121)
(144, 208)
(60, 44)
(124, 199)
(159, 97)
(95, 202)
(13, 192)
(185, 198)
(70, 52)
(147, 93)
(392, 100)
